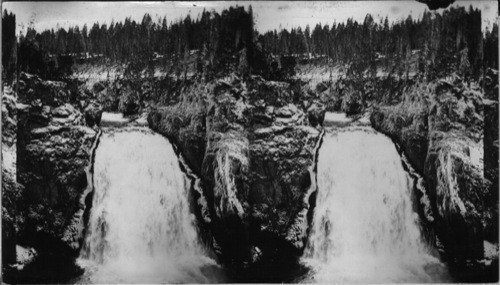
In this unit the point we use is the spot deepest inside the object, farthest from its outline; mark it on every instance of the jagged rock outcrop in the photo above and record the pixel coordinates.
(93, 113)
(132, 95)
(53, 152)
(252, 143)
(316, 113)
(9, 117)
(440, 128)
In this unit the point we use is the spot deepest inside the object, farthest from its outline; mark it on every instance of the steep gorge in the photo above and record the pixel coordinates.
(252, 143)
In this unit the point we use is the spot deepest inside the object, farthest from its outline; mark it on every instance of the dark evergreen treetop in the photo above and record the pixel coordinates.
(444, 41)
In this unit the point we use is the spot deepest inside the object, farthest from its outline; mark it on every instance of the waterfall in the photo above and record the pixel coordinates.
(364, 228)
(141, 229)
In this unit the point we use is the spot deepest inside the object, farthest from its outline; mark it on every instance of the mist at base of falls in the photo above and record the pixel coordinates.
(364, 228)
(141, 229)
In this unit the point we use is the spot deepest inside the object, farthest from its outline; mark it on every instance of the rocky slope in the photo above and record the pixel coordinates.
(252, 142)
(440, 128)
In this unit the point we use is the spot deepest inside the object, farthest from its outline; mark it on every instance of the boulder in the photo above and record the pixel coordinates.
(316, 113)
(98, 87)
(351, 104)
(93, 113)
(322, 87)
(65, 115)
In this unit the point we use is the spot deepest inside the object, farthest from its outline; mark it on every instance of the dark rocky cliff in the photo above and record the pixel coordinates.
(491, 136)
(11, 190)
(252, 142)
(440, 129)
(54, 142)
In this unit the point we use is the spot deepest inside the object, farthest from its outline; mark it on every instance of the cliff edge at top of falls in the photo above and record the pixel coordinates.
(449, 131)
(51, 125)
(252, 142)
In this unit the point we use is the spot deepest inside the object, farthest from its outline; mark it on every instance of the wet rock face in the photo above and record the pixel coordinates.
(53, 151)
(11, 190)
(491, 144)
(9, 117)
(11, 218)
(252, 145)
(441, 132)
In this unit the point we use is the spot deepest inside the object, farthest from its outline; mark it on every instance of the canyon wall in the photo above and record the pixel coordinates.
(54, 150)
(440, 127)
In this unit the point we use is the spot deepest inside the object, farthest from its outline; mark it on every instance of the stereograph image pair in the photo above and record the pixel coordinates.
(250, 142)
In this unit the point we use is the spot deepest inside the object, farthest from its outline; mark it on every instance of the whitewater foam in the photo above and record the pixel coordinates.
(140, 228)
(364, 227)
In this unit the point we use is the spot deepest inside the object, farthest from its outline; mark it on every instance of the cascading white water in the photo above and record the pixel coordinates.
(364, 228)
(140, 228)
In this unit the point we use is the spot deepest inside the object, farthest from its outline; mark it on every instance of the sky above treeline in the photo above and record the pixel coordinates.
(269, 15)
